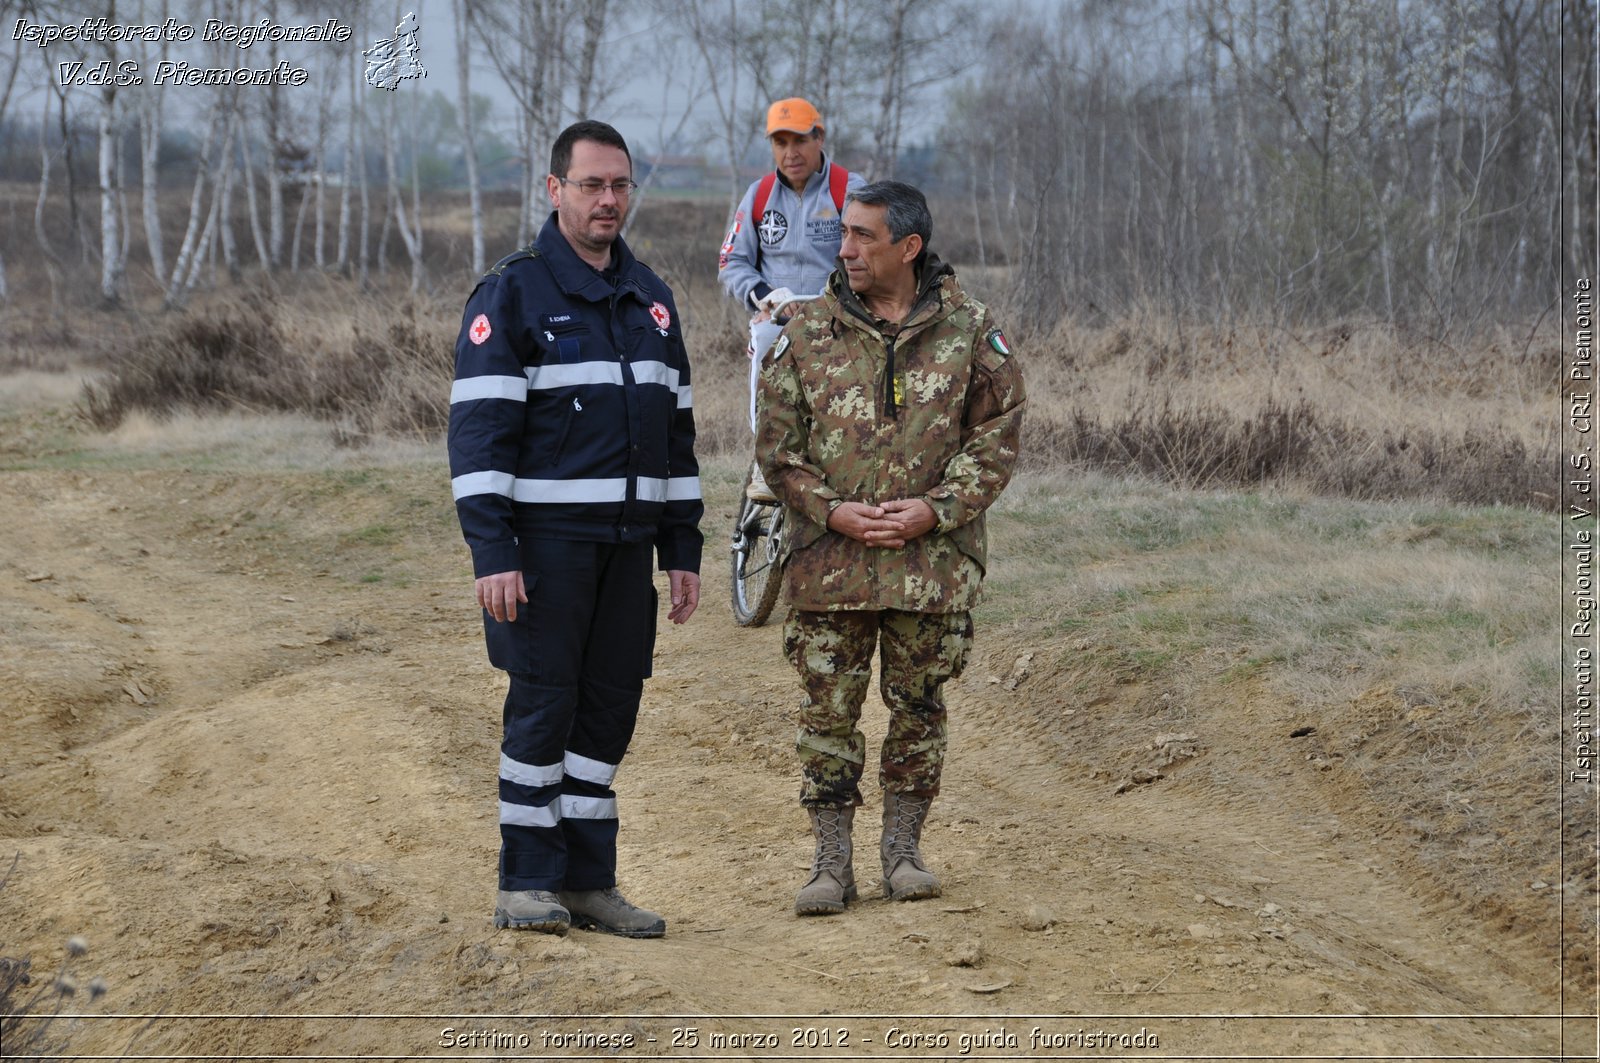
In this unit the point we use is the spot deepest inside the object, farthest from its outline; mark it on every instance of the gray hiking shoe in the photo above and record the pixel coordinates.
(833, 878)
(609, 912)
(531, 910)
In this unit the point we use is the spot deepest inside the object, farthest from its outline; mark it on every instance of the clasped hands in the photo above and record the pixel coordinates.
(892, 524)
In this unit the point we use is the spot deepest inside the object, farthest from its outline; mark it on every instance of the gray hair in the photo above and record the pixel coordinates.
(906, 208)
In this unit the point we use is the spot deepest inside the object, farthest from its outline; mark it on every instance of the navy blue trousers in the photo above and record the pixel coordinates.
(577, 655)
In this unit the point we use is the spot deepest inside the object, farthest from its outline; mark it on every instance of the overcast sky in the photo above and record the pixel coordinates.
(639, 109)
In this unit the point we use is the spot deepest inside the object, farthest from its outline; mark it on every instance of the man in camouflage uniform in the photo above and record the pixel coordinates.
(889, 418)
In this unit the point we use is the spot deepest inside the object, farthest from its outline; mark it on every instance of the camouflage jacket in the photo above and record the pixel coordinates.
(853, 409)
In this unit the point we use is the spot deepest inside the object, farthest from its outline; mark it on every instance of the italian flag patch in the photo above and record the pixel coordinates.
(997, 340)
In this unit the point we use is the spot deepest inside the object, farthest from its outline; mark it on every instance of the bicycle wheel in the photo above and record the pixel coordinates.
(757, 540)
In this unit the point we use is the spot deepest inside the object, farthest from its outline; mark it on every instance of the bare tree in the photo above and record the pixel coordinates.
(719, 41)
(247, 174)
(6, 8)
(218, 130)
(111, 250)
(150, 133)
(919, 48)
(469, 138)
(410, 224)
(525, 45)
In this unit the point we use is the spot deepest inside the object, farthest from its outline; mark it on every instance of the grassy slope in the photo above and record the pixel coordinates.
(1419, 640)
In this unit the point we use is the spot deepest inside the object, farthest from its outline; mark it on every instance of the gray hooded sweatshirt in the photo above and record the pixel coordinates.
(792, 245)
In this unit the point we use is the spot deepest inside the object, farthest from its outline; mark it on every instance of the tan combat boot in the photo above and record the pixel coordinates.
(833, 878)
(905, 876)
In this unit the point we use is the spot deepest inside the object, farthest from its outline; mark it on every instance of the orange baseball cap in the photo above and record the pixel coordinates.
(793, 115)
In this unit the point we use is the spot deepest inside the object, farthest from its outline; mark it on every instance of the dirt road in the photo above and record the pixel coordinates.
(250, 751)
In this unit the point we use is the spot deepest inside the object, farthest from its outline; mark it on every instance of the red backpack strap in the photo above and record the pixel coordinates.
(838, 182)
(763, 193)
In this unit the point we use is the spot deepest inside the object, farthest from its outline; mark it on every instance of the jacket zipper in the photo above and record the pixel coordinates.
(888, 383)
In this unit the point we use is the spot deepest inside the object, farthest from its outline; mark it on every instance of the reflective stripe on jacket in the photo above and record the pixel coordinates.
(572, 415)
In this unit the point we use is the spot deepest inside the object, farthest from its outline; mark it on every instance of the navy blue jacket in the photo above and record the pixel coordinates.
(571, 416)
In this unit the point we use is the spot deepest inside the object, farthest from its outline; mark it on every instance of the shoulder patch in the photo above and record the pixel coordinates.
(782, 345)
(997, 340)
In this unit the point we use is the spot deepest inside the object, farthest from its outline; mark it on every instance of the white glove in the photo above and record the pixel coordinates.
(774, 299)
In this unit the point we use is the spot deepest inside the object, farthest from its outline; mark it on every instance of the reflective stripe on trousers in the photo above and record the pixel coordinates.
(581, 649)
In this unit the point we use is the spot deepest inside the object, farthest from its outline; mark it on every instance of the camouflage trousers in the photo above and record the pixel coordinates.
(833, 654)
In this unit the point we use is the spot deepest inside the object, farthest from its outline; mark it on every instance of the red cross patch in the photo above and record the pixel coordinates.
(479, 330)
(659, 312)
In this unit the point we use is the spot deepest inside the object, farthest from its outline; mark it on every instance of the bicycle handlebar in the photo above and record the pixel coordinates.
(776, 313)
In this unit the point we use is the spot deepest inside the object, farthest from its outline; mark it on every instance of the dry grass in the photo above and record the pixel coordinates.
(1361, 411)
(1366, 412)
(375, 365)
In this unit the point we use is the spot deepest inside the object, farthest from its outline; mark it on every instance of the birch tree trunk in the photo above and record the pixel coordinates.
(342, 257)
(5, 100)
(247, 173)
(52, 263)
(276, 134)
(412, 239)
(45, 158)
(885, 136)
(469, 138)
(594, 21)
(351, 67)
(181, 270)
(182, 287)
(230, 247)
(299, 228)
(320, 174)
(150, 121)
(365, 232)
(111, 269)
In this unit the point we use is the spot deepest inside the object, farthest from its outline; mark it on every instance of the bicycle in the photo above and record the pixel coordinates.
(757, 545)
(757, 542)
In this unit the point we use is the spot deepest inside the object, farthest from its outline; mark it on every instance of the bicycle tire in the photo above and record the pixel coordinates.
(757, 539)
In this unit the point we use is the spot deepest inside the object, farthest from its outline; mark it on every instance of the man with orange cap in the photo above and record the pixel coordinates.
(785, 234)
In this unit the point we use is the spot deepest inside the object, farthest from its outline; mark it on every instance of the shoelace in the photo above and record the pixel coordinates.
(903, 828)
(830, 839)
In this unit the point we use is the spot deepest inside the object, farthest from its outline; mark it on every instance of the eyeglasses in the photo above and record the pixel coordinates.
(593, 186)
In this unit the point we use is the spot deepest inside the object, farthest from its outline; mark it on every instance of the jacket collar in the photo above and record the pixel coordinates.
(576, 277)
(817, 175)
(938, 292)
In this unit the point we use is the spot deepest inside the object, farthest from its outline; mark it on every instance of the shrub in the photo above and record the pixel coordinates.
(231, 355)
(1207, 446)
(30, 1004)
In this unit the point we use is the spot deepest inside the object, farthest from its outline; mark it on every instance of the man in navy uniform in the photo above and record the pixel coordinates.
(571, 462)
